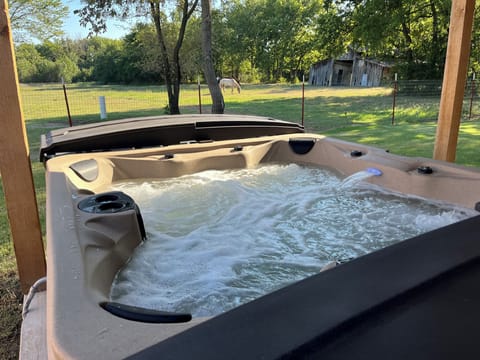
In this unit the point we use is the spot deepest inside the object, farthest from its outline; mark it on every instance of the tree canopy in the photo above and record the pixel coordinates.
(37, 19)
(95, 13)
(256, 40)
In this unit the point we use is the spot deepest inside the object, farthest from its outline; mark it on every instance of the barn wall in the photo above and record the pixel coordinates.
(342, 73)
(367, 73)
(356, 72)
(321, 73)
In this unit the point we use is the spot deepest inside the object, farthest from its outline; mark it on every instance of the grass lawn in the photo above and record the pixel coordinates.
(413, 139)
(359, 115)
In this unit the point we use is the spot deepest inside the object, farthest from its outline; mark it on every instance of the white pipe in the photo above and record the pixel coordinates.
(103, 108)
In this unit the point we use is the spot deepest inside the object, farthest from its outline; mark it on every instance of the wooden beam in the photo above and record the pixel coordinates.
(454, 78)
(15, 166)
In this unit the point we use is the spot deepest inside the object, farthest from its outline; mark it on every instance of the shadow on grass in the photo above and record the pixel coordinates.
(10, 314)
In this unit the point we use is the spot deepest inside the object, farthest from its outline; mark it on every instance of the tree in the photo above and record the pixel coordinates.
(63, 61)
(191, 57)
(218, 104)
(242, 36)
(475, 52)
(47, 62)
(411, 32)
(274, 38)
(100, 59)
(295, 41)
(28, 60)
(96, 12)
(108, 61)
(37, 19)
(142, 55)
(332, 31)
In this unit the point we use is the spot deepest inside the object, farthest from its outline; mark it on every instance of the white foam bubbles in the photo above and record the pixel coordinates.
(218, 239)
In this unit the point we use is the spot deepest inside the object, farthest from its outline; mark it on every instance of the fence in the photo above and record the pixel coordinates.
(325, 107)
(47, 102)
(426, 94)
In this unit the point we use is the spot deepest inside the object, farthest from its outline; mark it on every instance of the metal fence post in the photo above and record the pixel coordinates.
(303, 99)
(66, 103)
(472, 92)
(395, 89)
(199, 96)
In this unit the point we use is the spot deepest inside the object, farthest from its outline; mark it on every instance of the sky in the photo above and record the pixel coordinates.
(73, 30)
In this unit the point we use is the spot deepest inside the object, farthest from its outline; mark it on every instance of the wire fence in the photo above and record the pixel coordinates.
(399, 102)
(50, 102)
(426, 94)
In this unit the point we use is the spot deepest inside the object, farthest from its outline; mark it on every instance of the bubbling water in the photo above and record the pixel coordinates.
(218, 239)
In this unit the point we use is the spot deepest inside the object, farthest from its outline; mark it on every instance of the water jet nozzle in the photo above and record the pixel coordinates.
(374, 171)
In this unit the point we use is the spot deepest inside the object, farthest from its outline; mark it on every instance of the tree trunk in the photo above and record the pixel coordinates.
(177, 74)
(435, 51)
(218, 105)
(172, 78)
(408, 51)
(166, 70)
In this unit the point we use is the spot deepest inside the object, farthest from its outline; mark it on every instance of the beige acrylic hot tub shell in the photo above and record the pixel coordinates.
(86, 250)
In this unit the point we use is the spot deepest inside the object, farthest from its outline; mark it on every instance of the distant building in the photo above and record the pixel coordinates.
(351, 69)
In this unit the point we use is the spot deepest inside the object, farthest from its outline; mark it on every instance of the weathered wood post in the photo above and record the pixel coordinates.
(15, 167)
(454, 78)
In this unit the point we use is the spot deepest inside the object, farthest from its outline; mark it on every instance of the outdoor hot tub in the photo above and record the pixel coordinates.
(93, 228)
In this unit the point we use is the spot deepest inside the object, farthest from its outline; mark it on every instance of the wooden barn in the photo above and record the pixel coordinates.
(349, 70)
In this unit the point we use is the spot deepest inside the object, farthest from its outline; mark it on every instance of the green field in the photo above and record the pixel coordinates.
(360, 115)
(357, 114)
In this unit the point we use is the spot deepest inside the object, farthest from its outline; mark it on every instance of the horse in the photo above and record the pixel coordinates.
(228, 82)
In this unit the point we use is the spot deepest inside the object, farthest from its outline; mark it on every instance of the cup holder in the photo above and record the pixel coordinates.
(110, 207)
(111, 203)
(106, 203)
(106, 198)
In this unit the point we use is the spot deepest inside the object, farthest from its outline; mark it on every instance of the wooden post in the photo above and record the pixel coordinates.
(453, 88)
(15, 166)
